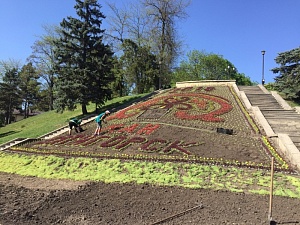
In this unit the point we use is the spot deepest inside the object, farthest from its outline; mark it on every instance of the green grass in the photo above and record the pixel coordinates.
(292, 103)
(39, 125)
(187, 175)
(157, 173)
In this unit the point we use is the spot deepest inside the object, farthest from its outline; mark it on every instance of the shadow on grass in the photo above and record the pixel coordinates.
(123, 104)
(8, 133)
(114, 107)
(289, 222)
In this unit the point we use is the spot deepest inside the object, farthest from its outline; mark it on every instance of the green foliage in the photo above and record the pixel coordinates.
(29, 87)
(242, 79)
(140, 67)
(288, 79)
(208, 66)
(119, 86)
(270, 86)
(10, 95)
(179, 174)
(83, 61)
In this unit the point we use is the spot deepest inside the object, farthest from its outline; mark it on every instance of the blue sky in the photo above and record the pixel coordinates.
(236, 29)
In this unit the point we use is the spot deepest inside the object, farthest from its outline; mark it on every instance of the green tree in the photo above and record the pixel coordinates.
(29, 87)
(208, 66)
(288, 80)
(42, 58)
(9, 65)
(83, 61)
(42, 100)
(140, 67)
(119, 87)
(9, 93)
(150, 23)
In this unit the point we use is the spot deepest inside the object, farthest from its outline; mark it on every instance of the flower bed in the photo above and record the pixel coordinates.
(178, 125)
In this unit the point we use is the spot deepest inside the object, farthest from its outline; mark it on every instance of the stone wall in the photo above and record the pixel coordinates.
(205, 83)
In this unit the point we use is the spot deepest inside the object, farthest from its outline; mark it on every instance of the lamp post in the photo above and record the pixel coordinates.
(263, 67)
(228, 71)
(159, 77)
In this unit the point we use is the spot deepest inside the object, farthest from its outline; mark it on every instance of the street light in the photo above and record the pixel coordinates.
(228, 70)
(263, 67)
(159, 76)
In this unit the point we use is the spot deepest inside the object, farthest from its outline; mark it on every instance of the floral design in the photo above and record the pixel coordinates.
(187, 106)
(128, 135)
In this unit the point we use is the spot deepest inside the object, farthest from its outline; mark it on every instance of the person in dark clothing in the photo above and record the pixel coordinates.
(76, 124)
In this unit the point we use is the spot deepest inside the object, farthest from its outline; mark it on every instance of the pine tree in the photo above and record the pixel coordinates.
(83, 61)
(288, 80)
(10, 96)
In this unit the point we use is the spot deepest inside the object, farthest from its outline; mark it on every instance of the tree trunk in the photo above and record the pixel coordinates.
(83, 109)
(25, 110)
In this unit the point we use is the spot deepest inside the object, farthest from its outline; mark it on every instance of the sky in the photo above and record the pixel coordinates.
(238, 30)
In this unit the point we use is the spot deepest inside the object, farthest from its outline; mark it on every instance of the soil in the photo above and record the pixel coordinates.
(31, 200)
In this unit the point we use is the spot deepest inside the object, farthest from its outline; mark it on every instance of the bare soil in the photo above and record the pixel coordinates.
(30, 200)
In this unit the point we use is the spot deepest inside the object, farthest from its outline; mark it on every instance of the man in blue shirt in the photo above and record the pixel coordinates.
(99, 119)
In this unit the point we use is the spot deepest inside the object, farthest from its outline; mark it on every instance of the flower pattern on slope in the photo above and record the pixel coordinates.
(185, 106)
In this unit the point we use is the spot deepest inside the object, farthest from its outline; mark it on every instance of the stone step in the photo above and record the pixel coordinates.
(250, 89)
(289, 132)
(280, 120)
(289, 119)
(283, 123)
(295, 139)
(271, 112)
(11, 143)
(286, 116)
(264, 102)
(279, 113)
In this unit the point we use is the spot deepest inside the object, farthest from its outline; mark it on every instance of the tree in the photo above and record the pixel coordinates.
(163, 15)
(8, 65)
(288, 80)
(140, 67)
(43, 59)
(29, 87)
(130, 22)
(150, 24)
(119, 87)
(9, 93)
(118, 25)
(8, 89)
(208, 66)
(131, 25)
(83, 61)
(242, 79)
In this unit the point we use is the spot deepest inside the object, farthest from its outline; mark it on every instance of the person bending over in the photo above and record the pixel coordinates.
(99, 119)
(76, 124)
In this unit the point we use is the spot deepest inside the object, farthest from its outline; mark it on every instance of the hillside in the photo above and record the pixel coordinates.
(185, 156)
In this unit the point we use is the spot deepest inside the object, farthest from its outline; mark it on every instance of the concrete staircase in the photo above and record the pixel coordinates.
(283, 120)
(11, 143)
(65, 129)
